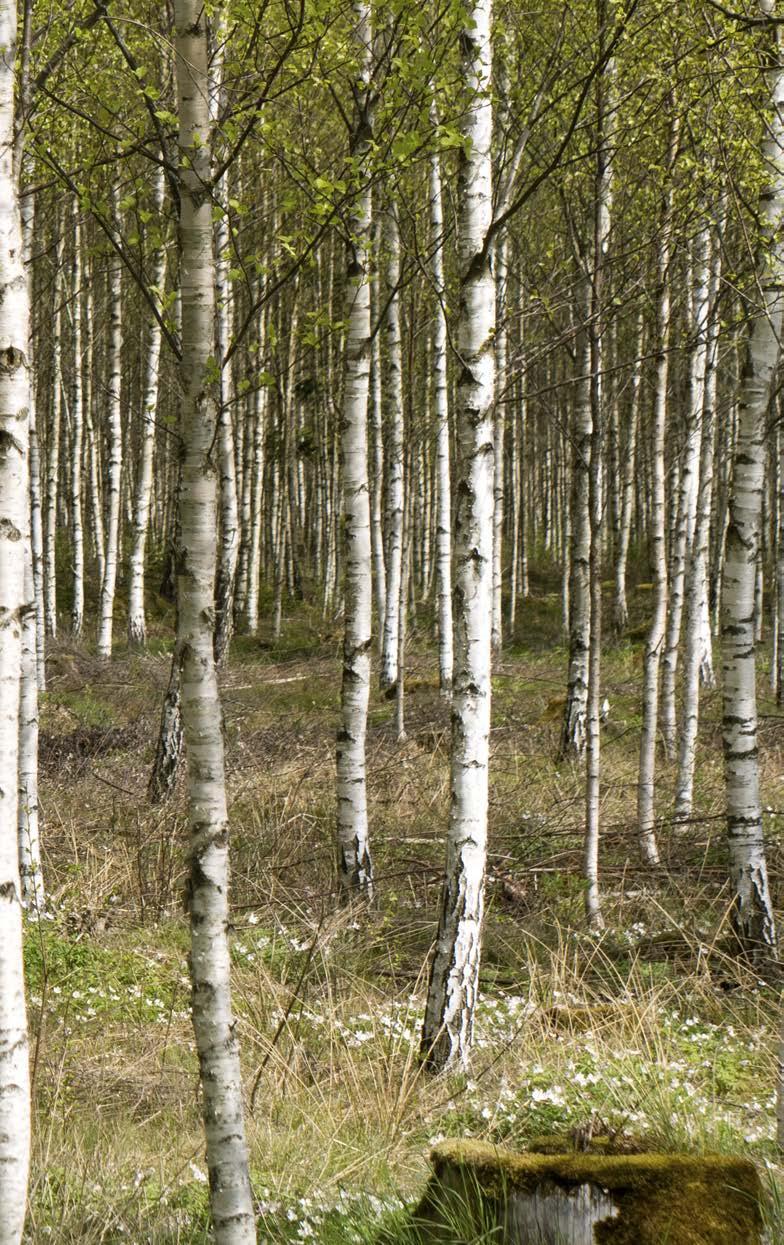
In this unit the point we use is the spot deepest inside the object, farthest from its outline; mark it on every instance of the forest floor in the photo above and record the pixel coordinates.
(652, 1031)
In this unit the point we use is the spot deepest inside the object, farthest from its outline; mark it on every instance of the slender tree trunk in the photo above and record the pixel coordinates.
(697, 573)
(137, 624)
(229, 511)
(15, 606)
(753, 913)
(114, 424)
(724, 458)
(354, 862)
(393, 457)
(515, 475)
(377, 481)
(441, 402)
(229, 526)
(77, 434)
(210, 964)
(646, 811)
(257, 511)
(597, 336)
(620, 604)
(573, 726)
(681, 549)
(400, 684)
(32, 671)
(30, 872)
(499, 430)
(454, 971)
(53, 447)
(168, 749)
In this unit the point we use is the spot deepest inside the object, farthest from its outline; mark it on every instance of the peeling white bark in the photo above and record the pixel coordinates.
(682, 544)
(499, 432)
(620, 604)
(137, 625)
(15, 605)
(698, 638)
(114, 439)
(377, 480)
(210, 967)
(753, 913)
(354, 862)
(573, 727)
(53, 447)
(454, 972)
(658, 552)
(77, 433)
(393, 456)
(441, 411)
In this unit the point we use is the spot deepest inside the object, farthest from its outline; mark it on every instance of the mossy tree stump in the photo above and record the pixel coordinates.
(481, 1192)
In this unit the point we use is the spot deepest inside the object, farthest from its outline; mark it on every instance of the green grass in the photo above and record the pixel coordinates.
(652, 1031)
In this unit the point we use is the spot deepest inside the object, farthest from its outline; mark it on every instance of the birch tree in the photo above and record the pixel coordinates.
(657, 538)
(77, 432)
(441, 411)
(213, 1022)
(393, 456)
(15, 605)
(697, 632)
(454, 971)
(114, 473)
(53, 456)
(137, 626)
(752, 913)
(573, 727)
(355, 865)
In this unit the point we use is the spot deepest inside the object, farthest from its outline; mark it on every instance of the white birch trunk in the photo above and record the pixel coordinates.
(354, 862)
(137, 624)
(377, 482)
(499, 430)
(573, 727)
(77, 433)
(682, 546)
(626, 500)
(30, 873)
(257, 511)
(646, 785)
(454, 973)
(393, 457)
(32, 670)
(114, 472)
(210, 965)
(441, 410)
(596, 336)
(696, 639)
(753, 914)
(53, 447)
(36, 510)
(229, 509)
(229, 546)
(91, 464)
(14, 606)
(37, 544)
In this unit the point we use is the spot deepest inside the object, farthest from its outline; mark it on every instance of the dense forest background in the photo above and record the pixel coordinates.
(361, 365)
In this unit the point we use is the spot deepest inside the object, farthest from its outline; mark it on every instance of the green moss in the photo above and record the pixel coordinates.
(661, 1198)
(560, 1143)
